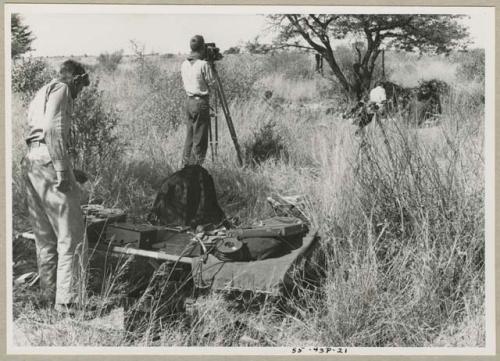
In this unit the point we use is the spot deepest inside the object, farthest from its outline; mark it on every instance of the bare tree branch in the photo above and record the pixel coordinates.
(293, 19)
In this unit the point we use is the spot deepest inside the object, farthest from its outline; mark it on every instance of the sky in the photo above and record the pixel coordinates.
(96, 31)
(92, 34)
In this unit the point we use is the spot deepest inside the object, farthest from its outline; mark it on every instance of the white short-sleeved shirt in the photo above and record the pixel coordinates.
(196, 76)
(377, 95)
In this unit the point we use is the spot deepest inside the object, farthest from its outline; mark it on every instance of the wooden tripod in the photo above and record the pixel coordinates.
(220, 98)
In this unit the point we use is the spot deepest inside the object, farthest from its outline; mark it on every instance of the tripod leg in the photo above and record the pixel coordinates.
(216, 131)
(211, 140)
(225, 109)
(216, 126)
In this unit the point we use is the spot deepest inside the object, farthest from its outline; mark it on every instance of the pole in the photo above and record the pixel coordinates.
(211, 139)
(383, 64)
(216, 125)
(130, 251)
(227, 115)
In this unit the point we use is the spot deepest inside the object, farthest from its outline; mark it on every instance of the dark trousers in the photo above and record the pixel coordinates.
(197, 126)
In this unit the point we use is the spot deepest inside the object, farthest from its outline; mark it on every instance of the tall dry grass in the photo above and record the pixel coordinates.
(400, 211)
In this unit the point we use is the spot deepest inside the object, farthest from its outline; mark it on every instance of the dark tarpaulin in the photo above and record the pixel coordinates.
(268, 276)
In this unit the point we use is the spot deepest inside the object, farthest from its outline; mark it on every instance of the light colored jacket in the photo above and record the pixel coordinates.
(49, 120)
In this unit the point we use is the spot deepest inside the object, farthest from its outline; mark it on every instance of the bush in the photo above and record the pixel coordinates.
(29, 75)
(110, 62)
(160, 103)
(92, 135)
(267, 143)
(232, 50)
(238, 75)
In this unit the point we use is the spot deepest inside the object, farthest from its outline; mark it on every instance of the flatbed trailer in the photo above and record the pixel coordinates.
(270, 276)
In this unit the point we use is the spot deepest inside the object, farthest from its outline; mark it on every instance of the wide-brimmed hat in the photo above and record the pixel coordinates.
(197, 45)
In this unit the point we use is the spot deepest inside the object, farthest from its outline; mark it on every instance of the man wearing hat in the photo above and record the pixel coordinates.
(197, 77)
(53, 195)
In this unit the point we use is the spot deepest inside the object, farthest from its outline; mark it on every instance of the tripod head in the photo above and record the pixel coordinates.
(212, 53)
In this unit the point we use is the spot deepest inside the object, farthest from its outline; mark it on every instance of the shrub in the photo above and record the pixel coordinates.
(238, 75)
(267, 143)
(232, 50)
(93, 141)
(160, 103)
(29, 75)
(110, 62)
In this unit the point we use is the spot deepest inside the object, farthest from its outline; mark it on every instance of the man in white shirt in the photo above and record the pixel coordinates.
(378, 95)
(197, 78)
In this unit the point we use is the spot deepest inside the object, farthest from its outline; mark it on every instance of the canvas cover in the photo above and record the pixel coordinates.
(267, 276)
(187, 198)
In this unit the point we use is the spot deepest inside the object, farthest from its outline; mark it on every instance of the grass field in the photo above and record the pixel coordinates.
(401, 216)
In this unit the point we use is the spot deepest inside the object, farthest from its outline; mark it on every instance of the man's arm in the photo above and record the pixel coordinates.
(55, 120)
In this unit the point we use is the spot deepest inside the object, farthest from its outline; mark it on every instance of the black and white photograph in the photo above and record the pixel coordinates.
(250, 180)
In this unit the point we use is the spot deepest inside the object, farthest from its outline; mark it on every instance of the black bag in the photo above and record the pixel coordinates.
(187, 198)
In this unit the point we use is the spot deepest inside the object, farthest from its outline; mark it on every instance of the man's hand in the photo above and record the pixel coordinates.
(63, 181)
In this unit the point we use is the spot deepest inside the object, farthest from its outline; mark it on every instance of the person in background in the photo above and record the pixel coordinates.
(197, 78)
(378, 96)
(52, 192)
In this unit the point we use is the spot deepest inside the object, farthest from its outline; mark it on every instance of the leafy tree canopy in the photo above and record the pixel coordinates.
(21, 37)
(413, 32)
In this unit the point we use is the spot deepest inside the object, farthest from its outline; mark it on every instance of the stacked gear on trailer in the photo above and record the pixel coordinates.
(190, 242)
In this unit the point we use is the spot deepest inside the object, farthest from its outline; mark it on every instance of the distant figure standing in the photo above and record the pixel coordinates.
(378, 95)
(319, 62)
(197, 78)
(53, 195)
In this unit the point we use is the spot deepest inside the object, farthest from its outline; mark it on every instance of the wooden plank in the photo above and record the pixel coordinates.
(130, 251)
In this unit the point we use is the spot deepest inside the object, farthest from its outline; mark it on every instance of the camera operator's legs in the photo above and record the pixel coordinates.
(200, 139)
(188, 143)
(198, 123)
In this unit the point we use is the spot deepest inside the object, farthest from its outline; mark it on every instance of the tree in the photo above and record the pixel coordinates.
(426, 33)
(21, 37)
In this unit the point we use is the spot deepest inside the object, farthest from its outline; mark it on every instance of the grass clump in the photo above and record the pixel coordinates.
(267, 144)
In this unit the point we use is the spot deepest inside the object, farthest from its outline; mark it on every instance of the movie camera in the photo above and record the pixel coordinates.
(212, 52)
